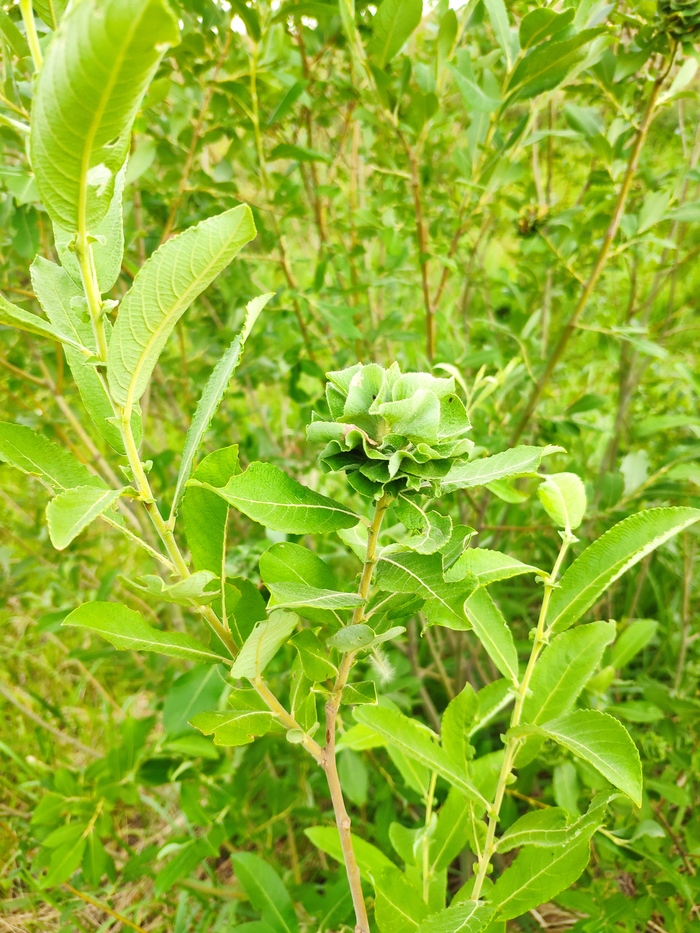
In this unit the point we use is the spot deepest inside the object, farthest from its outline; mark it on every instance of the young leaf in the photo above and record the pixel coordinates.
(413, 740)
(263, 644)
(518, 461)
(108, 248)
(487, 566)
(603, 742)
(393, 23)
(201, 587)
(163, 290)
(422, 574)
(493, 632)
(213, 394)
(429, 530)
(370, 860)
(398, 907)
(13, 316)
(234, 726)
(95, 72)
(64, 861)
(633, 639)
(314, 657)
(267, 495)
(563, 496)
(35, 454)
(538, 875)
(56, 291)
(505, 36)
(609, 557)
(459, 917)
(205, 514)
(564, 669)
(72, 510)
(267, 894)
(456, 723)
(126, 629)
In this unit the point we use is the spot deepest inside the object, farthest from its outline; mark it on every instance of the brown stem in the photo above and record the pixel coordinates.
(601, 260)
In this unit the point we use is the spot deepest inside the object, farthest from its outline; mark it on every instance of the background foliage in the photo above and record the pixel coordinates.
(432, 216)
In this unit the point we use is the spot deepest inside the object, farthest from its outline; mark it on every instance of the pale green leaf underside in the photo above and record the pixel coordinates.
(263, 643)
(13, 316)
(488, 566)
(300, 596)
(126, 629)
(462, 917)
(609, 557)
(213, 394)
(162, 291)
(370, 860)
(72, 510)
(96, 70)
(515, 462)
(268, 496)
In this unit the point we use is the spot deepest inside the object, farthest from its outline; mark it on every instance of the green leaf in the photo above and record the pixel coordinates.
(609, 557)
(205, 514)
(57, 291)
(415, 741)
(398, 906)
(633, 639)
(292, 563)
(603, 742)
(301, 596)
(195, 691)
(96, 860)
(518, 461)
(453, 829)
(72, 510)
(94, 75)
(352, 637)
(547, 65)
(267, 894)
(233, 727)
(563, 670)
(488, 566)
(456, 723)
(360, 693)
(505, 36)
(475, 98)
(546, 828)
(460, 917)
(263, 644)
(298, 153)
(32, 453)
(268, 496)
(313, 656)
(393, 23)
(13, 316)
(163, 290)
(563, 496)
(126, 629)
(422, 574)
(542, 23)
(65, 860)
(50, 11)
(201, 587)
(370, 860)
(13, 36)
(108, 248)
(493, 632)
(538, 875)
(213, 394)
(429, 531)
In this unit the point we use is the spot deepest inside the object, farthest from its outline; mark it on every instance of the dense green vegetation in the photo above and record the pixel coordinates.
(362, 573)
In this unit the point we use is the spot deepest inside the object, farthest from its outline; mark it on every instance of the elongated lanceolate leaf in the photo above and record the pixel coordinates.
(126, 629)
(488, 566)
(300, 596)
(399, 906)
(603, 742)
(493, 632)
(72, 510)
(56, 292)
(13, 316)
(267, 495)
(565, 667)
(370, 860)
(94, 75)
(163, 290)
(234, 726)
(35, 454)
(213, 394)
(422, 574)
(547, 828)
(205, 514)
(267, 894)
(414, 741)
(50, 11)
(263, 643)
(518, 461)
(609, 557)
